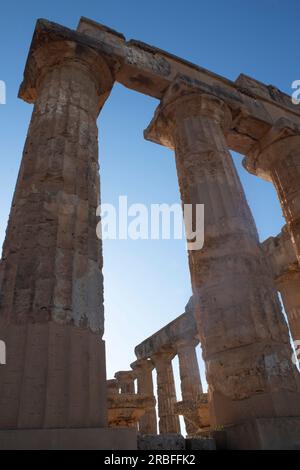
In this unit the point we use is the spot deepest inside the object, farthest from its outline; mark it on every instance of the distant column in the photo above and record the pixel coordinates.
(143, 370)
(125, 380)
(166, 393)
(191, 386)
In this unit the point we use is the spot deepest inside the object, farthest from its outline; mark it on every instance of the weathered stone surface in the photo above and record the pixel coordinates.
(53, 377)
(167, 441)
(51, 304)
(275, 157)
(242, 330)
(126, 410)
(190, 383)
(166, 393)
(196, 414)
(200, 444)
(125, 380)
(143, 371)
(150, 70)
(51, 301)
(69, 439)
(183, 326)
(281, 254)
(264, 434)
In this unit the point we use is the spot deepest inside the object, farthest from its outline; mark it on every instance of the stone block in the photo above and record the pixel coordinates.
(68, 439)
(264, 434)
(195, 443)
(161, 442)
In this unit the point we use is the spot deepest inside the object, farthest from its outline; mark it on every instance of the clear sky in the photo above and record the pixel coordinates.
(147, 282)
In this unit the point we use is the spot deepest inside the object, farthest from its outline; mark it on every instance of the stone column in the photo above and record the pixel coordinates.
(280, 253)
(276, 158)
(143, 370)
(190, 381)
(242, 330)
(125, 379)
(112, 387)
(51, 305)
(288, 285)
(166, 393)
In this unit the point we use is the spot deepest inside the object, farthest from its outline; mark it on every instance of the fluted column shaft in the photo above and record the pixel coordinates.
(241, 326)
(190, 380)
(143, 370)
(191, 385)
(51, 305)
(166, 393)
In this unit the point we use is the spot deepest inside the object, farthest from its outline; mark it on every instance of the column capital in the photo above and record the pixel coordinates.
(112, 386)
(281, 140)
(53, 45)
(182, 101)
(142, 365)
(289, 275)
(125, 376)
(163, 357)
(186, 343)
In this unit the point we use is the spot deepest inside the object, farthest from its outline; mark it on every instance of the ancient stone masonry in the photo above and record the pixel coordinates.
(143, 371)
(52, 294)
(241, 326)
(51, 309)
(53, 389)
(276, 158)
(178, 338)
(125, 407)
(285, 267)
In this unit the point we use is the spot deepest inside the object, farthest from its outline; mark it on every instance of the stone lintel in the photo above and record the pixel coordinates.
(164, 339)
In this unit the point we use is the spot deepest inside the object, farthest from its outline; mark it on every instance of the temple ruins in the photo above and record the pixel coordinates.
(54, 392)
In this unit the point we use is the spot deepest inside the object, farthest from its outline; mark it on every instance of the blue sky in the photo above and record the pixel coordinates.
(147, 283)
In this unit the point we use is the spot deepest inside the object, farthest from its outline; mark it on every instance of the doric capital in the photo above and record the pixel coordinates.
(181, 101)
(112, 386)
(186, 343)
(163, 358)
(282, 140)
(53, 45)
(290, 275)
(125, 376)
(142, 365)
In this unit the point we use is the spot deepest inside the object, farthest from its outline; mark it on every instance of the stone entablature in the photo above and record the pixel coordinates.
(165, 339)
